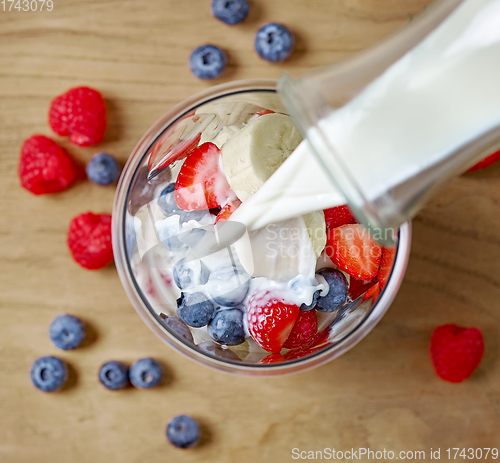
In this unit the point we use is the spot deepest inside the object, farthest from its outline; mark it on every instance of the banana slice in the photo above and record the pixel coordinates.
(316, 228)
(252, 155)
(221, 137)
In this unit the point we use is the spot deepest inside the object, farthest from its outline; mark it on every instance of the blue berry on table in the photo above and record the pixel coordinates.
(49, 374)
(146, 373)
(274, 42)
(227, 327)
(166, 200)
(103, 169)
(195, 310)
(113, 375)
(230, 12)
(207, 62)
(183, 432)
(338, 289)
(67, 332)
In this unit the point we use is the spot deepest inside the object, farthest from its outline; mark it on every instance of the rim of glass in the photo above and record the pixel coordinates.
(148, 314)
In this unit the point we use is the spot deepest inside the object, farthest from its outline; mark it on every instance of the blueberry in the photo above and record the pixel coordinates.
(168, 230)
(146, 373)
(166, 200)
(274, 42)
(183, 432)
(67, 332)
(193, 237)
(305, 307)
(103, 169)
(113, 375)
(177, 325)
(228, 285)
(207, 62)
(188, 274)
(195, 309)
(337, 291)
(227, 327)
(198, 216)
(230, 12)
(49, 374)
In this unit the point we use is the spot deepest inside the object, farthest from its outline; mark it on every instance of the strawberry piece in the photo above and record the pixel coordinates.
(89, 240)
(227, 210)
(456, 352)
(263, 112)
(337, 216)
(486, 162)
(45, 167)
(374, 292)
(271, 358)
(270, 321)
(353, 249)
(80, 113)
(386, 264)
(359, 287)
(200, 183)
(304, 330)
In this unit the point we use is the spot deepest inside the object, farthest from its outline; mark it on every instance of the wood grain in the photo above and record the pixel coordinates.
(382, 394)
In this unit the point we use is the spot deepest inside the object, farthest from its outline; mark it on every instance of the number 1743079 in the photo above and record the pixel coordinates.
(27, 5)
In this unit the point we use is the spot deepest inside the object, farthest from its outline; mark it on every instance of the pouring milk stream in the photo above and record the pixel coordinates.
(438, 97)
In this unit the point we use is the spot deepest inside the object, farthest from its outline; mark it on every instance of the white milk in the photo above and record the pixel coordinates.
(438, 97)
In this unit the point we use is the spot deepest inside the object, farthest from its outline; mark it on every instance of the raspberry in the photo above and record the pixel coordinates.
(304, 330)
(89, 240)
(45, 167)
(456, 352)
(79, 113)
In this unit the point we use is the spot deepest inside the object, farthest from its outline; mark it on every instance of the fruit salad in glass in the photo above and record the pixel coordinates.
(272, 298)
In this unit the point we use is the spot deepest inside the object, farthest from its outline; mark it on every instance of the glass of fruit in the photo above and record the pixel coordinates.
(242, 302)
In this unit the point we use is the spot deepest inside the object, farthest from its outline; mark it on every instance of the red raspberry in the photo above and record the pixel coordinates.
(89, 240)
(79, 113)
(456, 352)
(45, 167)
(304, 330)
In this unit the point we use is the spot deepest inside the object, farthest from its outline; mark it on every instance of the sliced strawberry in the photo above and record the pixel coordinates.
(386, 264)
(304, 330)
(200, 183)
(227, 210)
(270, 320)
(359, 287)
(486, 162)
(337, 216)
(374, 292)
(272, 358)
(353, 249)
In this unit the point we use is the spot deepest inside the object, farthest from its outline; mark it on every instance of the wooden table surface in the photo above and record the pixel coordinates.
(382, 394)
